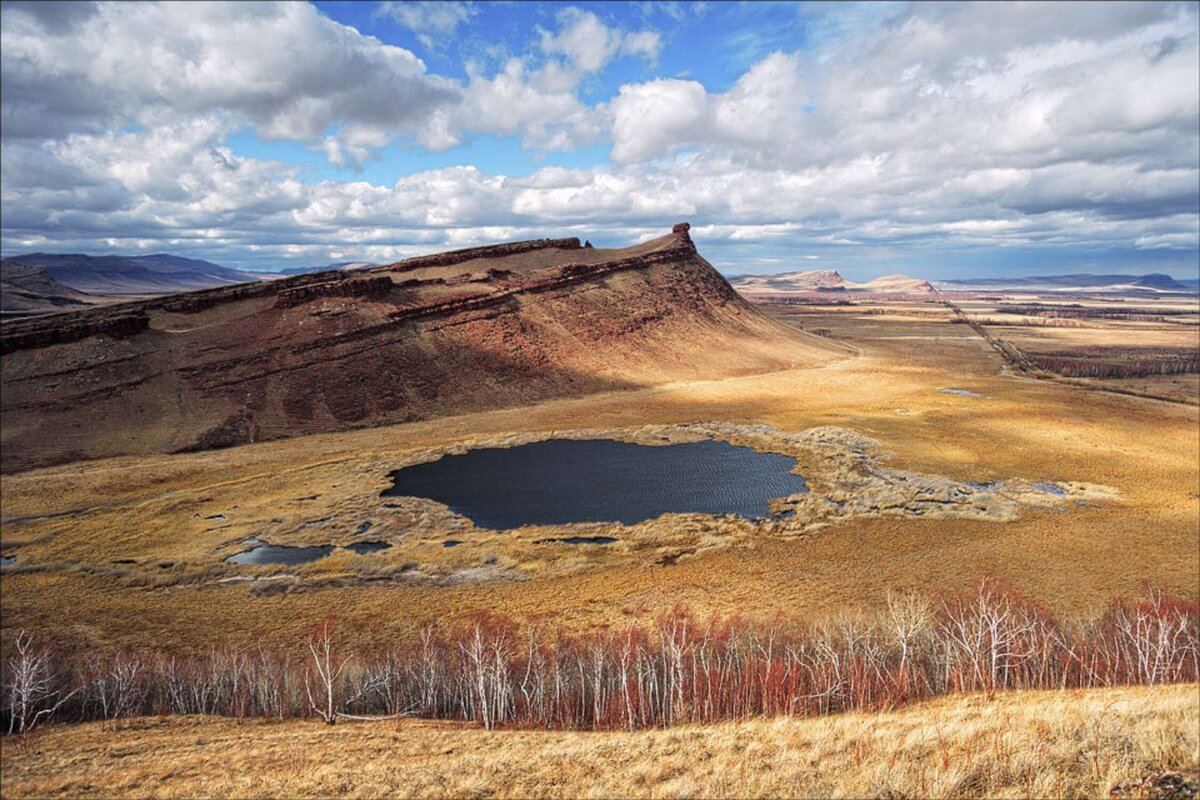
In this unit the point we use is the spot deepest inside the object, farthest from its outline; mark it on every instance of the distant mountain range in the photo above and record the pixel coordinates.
(30, 290)
(825, 280)
(1154, 282)
(830, 282)
(160, 273)
(123, 275)
(42, 282)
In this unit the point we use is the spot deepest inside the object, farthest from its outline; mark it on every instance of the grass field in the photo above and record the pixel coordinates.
(1129, 339)
(67, 526)
(1051, 744)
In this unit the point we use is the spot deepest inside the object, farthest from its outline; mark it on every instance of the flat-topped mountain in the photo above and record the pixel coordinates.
(448, 333)
(824, 280)
(898, 283)
(133, 275)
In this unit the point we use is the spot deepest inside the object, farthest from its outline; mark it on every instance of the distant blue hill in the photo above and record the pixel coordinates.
(1156, 280)
(160, 273)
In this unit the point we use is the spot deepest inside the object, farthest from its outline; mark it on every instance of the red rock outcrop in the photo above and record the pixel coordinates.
(449, 333)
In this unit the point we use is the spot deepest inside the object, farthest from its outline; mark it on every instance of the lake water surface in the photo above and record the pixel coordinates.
(600, 480)
(262, 553)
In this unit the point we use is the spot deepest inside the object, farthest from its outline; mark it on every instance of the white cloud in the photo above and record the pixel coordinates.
(589, 44)
(966, 125)
(653, 118)
(511, 103)
(283, 68)
(432, 22)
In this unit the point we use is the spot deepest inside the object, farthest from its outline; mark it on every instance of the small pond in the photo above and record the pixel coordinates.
(600, 480)
(263, 553)
(578, 540)
(363, 548)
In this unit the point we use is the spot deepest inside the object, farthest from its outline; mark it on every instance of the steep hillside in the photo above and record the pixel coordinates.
(29, 290)
(454, 332)
(135, 275)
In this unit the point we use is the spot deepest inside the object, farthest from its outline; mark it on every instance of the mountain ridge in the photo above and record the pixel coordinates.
(31, 290)
(1083, 280)
(158, 273)
(499, 326)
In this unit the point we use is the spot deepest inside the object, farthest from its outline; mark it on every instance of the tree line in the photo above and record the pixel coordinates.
(1095, 368)
(496, 672)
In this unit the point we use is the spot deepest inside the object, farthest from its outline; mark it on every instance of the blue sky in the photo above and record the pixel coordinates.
(937, 140)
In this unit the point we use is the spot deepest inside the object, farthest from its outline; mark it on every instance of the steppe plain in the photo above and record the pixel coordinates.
(130, 550)
(929, 444)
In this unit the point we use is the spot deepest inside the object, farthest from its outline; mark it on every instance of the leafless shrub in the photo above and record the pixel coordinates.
(496, 672)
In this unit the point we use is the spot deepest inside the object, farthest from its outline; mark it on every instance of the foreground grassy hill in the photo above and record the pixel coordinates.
(1027, 744)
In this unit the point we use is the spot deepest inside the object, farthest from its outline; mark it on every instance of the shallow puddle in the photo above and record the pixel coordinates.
(263, 553)
(578, 540)
(363, 548)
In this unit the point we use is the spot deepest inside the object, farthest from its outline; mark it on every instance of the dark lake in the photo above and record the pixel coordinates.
(600, 480)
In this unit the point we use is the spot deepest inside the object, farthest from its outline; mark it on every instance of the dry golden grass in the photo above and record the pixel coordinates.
(1050, 744)
(1075, 559)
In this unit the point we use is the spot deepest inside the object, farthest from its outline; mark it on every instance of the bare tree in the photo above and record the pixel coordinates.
(909, 619)
(328, 668)
(32, 685)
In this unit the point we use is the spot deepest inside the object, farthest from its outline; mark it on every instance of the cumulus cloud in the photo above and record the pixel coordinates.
(944, 126)
(283, 68)
(589, 44)
(950, 117)
(514, 102)
(432, 22)
(650, 119)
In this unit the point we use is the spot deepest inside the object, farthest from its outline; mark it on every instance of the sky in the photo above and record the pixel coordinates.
(938, 140)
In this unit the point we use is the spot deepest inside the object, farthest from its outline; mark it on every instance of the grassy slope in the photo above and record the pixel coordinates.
(1048, 744)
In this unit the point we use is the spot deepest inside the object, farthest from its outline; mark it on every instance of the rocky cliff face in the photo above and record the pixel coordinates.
(444, 334)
